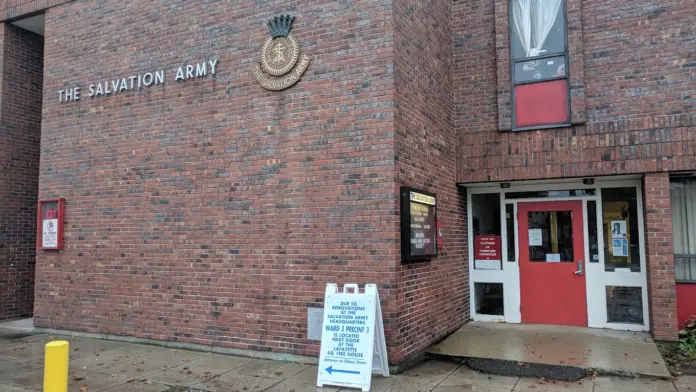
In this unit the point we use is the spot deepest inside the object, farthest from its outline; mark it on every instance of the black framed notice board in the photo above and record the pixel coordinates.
(418, 225)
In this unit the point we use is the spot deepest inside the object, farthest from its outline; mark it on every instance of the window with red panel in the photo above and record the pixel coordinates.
(539, 52)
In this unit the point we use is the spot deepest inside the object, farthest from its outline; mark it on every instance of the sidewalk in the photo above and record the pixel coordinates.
(98, 365)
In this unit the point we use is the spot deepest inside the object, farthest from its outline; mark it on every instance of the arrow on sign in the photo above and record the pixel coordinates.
(331, 370)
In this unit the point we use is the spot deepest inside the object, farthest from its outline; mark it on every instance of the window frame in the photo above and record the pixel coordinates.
(513, 62)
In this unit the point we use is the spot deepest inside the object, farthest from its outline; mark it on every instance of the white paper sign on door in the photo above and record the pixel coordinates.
(618, 229)
(535, 237)
(619, 247)
(352, 339)
(553, 257)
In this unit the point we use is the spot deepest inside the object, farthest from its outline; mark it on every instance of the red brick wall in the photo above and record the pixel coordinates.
(20, 133)
(432, 296)
(658, 246)
(637, 83)
(212, 211)
(10, 9)
(474, 68)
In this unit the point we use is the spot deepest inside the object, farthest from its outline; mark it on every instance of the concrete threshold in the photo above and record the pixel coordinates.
(21, 325)
(553, 352)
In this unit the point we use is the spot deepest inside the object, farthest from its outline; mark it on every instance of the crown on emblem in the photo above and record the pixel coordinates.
(280, 25)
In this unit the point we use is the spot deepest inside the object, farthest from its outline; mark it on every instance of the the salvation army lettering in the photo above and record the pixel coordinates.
(124, 84)
(487, 252)
(281, 83)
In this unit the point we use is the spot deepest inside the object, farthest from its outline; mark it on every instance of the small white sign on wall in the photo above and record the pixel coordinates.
(49, 239)
(352, 339)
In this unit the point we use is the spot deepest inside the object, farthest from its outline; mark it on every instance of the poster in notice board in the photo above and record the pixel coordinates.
(418, 225)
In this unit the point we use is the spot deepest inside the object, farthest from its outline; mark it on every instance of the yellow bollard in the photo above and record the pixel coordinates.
(56, 366)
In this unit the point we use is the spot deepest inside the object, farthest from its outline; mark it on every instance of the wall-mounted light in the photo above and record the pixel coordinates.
(505, 185)
(588, 181)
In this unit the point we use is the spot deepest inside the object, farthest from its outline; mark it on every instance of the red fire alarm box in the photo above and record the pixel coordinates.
(49, 234)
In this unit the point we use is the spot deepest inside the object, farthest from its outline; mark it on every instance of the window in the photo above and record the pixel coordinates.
(488, 299)
(539, 63)
(683, 195)
(485, 210)
(620, 220)
(553, 236)
(625, 305)
(510, 223)
(540, 194)
(592, 231)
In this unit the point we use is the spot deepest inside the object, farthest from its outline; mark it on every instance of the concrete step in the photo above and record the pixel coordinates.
(552, 352)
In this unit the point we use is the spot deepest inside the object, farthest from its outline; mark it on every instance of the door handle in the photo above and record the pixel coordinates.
(579, 272)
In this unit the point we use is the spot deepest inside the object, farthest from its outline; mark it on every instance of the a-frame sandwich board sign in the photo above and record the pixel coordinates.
(353, 346)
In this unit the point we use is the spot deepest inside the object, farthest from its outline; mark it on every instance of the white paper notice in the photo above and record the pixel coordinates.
(618, 229)
(619, 247)
(553, 257)
(535, 237)
(50, 233)
(487, 264)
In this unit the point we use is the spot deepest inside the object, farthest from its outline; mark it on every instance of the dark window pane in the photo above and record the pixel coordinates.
(485, 209)
(620, 221)
(551, 236)
(489, 298)
(685, 268)
(548, 68)
(510, 221)
(543, 103)
(537, 27)
(536, 194)
(592, 230)
(625, 305)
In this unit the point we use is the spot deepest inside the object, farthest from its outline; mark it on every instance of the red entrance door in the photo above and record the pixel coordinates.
(552, 263)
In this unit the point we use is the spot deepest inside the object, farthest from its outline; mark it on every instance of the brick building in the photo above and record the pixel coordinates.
(207, 202)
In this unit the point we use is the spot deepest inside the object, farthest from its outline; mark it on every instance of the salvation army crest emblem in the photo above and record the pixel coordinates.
(281, 64)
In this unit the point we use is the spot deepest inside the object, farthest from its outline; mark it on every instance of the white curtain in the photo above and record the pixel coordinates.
(522, 19)
(533, 20)
(683, 197)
